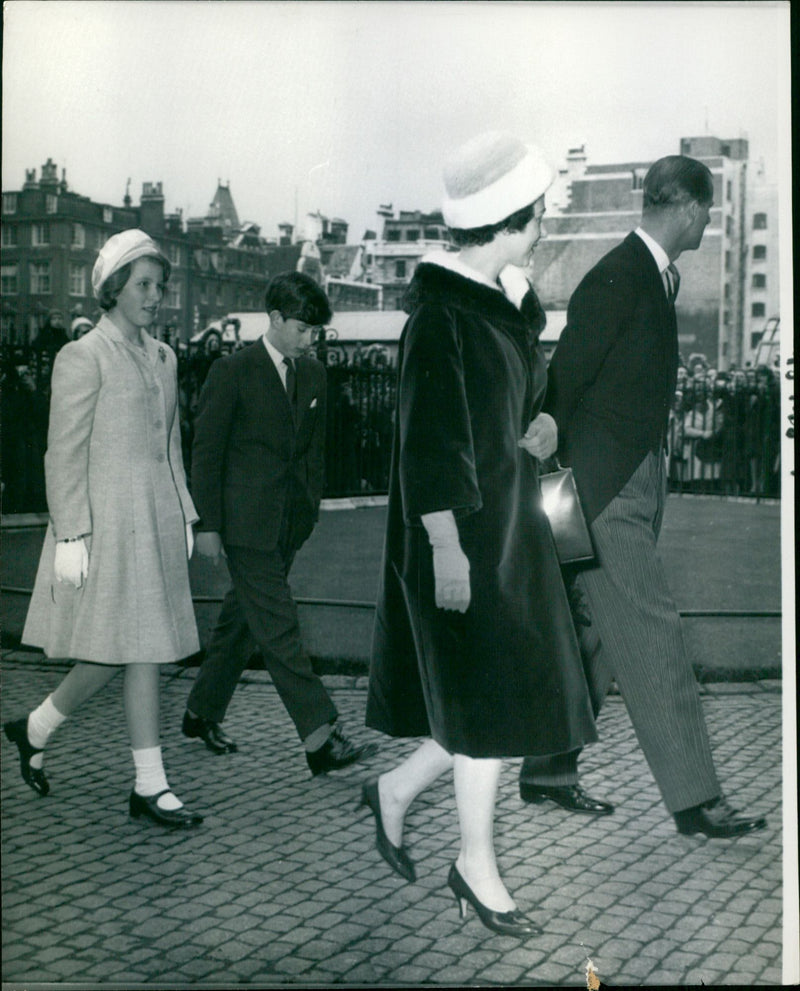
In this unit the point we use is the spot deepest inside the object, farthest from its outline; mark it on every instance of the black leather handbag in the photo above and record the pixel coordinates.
(564, 511)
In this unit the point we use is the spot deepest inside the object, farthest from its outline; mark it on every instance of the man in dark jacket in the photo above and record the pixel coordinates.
(257, 476)
(610, 386)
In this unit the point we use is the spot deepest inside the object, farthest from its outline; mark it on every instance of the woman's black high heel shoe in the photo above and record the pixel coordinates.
(512, 923)
(17, 732)
(395, 856)
(182, 818)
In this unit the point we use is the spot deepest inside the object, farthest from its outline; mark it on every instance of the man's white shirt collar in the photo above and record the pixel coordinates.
(277, 358)
(655, 249)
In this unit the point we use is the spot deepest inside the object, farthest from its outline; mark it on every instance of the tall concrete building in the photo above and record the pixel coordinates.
(762, 271)
(390, 261)
(593, 207)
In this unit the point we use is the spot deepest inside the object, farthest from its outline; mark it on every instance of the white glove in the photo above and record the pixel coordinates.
(189, 540)
(71, 562)
(209, 544)
(541, 437)
(450, 563)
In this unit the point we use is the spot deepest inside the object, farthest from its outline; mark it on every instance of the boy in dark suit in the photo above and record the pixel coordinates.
(257, 477)
(610, 387)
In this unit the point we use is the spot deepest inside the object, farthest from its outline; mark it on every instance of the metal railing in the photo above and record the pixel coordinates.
(724, 434)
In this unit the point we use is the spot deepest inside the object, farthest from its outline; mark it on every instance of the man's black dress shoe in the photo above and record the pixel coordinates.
(17, 732)
(717, 819)
(338, 752)
(395, 856)
(570, 797)
(209, 732)
(182, 818)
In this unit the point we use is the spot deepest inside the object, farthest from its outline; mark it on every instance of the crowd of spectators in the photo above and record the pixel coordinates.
(724, 433)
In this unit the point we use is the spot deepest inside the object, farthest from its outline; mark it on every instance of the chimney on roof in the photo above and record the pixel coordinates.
(151, 211)
(49, 174)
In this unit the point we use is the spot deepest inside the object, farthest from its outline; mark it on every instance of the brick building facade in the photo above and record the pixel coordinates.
(51, 235)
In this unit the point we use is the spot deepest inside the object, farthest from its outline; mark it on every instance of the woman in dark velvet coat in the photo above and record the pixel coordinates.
(474, 645)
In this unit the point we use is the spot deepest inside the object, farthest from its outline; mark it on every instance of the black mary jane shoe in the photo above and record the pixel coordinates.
(182, 818)
(512, 923)
(395, 856)
(17, 732)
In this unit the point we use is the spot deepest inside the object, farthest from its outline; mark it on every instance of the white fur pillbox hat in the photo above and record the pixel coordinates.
(119, 250)
(490, 177)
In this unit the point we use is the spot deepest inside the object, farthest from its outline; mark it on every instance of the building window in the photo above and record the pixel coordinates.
(100, 239)
(9, 285)
(729, 226)
(727, 290)
(9, 234)
(727, 261)
(400, 269)
(174, 253)
(432, 234)
(412, 234)
(203, 295)
(393, 235)
(755, 339)
(758, 310)
(40, 235)
(759, 281)
(759, 221)
(174, 295)
(77, 280)
(108, 215)
(40, 278)
(759, 252)
(219, 295)
(51, 203)
(9, 202)
(729, 191)
(78, 236)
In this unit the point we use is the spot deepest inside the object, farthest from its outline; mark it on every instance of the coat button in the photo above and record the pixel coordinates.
(160, 457)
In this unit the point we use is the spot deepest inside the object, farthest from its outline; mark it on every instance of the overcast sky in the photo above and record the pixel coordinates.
(342, 106)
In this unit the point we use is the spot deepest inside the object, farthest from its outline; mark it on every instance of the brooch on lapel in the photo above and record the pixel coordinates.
(162, 354)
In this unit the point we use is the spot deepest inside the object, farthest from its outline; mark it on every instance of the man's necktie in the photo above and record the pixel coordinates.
(673, 278)
(291, 382)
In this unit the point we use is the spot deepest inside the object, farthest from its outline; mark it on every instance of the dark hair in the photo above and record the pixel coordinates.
(475, 236)
(676, 179)
(298, 297)
(115, 283)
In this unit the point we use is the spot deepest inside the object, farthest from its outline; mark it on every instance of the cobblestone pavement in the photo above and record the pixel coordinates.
(282, 885)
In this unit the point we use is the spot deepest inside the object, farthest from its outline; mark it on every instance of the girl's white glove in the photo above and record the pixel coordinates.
(71, 562)
(189, 540)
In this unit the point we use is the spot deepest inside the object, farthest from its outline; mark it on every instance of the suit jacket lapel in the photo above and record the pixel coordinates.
(305, 390)
(668, 327)
(272, 375)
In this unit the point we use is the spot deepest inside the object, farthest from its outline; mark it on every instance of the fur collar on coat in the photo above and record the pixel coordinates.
(438, 280)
